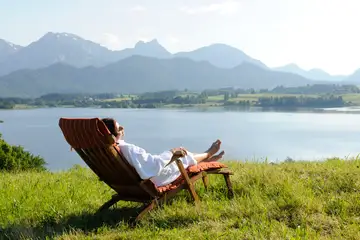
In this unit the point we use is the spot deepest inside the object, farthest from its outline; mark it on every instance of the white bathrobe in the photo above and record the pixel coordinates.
(153, 166)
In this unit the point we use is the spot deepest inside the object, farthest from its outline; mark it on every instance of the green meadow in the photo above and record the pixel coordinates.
(291, 200)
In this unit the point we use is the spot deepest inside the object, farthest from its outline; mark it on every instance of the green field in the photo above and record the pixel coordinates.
(23, 106)
(126, 97)
(355, 98)
(301, 200)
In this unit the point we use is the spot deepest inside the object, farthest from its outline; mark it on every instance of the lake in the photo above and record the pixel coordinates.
(246, 135)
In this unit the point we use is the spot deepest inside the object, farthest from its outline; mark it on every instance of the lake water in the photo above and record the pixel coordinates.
(246, 135)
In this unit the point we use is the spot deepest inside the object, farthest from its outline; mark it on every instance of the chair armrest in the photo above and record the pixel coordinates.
(176, 155)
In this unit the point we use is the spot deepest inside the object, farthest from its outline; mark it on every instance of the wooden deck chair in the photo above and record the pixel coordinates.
(91, 139)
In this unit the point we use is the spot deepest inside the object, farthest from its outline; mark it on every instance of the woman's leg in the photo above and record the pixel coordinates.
(215, 157)
(199, 157)
(214, 148)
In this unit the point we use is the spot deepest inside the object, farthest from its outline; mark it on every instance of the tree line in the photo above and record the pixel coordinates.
(302, 101)
(334, 89)
(177, 97)
(107, 100)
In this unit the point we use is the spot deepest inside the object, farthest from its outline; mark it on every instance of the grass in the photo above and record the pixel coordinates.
(299, 200)
(353, 98)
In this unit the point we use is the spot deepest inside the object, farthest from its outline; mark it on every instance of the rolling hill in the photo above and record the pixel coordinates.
(137, 74)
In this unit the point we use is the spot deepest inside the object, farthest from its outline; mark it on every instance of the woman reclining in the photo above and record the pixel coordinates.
(153, 167)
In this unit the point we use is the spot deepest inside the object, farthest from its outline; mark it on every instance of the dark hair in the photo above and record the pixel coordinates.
(111, 125)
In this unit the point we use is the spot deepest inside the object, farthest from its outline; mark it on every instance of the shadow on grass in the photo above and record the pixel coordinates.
(85, 222)
(88, 222)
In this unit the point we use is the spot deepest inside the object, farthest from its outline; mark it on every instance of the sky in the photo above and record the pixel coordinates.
(311, 33)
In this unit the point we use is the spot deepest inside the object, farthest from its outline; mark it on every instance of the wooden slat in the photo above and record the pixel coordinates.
(106, 171)
(112, 161)
(89, 162)
(104, 160)
(124, 165)
(149, 187)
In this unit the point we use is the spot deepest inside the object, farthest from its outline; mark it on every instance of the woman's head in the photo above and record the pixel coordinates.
(115, 129)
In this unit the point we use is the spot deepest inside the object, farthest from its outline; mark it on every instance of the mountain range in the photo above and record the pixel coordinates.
(354, 78)
(315, 73)
(64, 62)
(75, 51)
(7, 49)
(138, 74)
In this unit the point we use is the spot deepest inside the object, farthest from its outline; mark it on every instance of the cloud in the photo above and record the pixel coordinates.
(172, 40)
(110, 41)
(224, 8)
(138, 8)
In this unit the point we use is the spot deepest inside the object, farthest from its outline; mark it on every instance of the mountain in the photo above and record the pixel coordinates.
(57, 47)
(314, 74)
(7, 49)
(220, 55)
(147, 49)
(73, 50)
(353, 78)
(138, 74)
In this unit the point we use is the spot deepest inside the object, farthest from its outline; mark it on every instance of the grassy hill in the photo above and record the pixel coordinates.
(301, 200)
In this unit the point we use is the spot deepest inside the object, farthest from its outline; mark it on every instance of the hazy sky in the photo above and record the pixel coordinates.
(310, 33)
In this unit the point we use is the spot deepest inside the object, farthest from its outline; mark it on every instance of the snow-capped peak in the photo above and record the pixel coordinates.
(62, 35)
(11, 45)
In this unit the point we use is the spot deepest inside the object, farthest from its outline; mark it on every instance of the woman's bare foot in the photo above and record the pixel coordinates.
(216, 157)
(215, 147)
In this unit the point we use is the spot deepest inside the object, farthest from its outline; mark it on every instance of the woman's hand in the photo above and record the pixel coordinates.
(177, 153)
(180, 151)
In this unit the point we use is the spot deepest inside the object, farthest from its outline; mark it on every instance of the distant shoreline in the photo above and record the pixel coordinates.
(174, 99)
(340, 110)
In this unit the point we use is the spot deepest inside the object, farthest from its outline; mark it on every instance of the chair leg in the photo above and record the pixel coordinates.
(229, 185)
(205, 180)
(188, 181)
(146, 209)
(191, 189)
(115, 198)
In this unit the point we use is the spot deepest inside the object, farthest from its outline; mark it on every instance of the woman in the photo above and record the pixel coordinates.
(153, 167)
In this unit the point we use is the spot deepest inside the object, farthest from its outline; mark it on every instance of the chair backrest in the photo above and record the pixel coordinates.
(94, 143)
